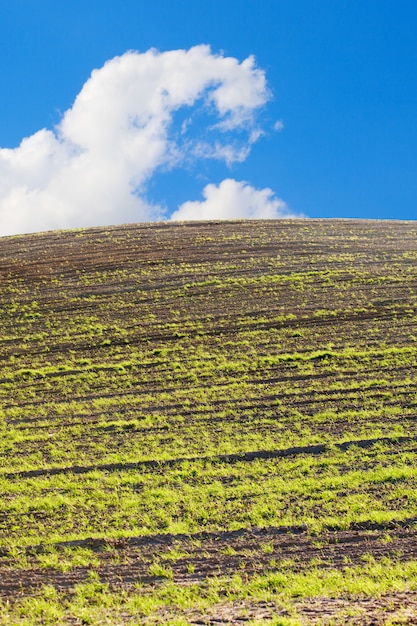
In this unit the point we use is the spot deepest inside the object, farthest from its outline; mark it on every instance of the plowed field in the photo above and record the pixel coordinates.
(209, 423)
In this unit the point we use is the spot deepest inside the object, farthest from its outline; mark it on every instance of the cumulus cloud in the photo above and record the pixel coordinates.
(233, 200)
(94, 166)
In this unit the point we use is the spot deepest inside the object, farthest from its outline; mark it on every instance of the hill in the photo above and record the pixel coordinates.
(209, 423)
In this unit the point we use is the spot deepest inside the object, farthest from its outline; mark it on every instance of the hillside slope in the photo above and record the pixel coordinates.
(209, 421)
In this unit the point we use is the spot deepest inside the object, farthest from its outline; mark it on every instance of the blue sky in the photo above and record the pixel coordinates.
(342, 77)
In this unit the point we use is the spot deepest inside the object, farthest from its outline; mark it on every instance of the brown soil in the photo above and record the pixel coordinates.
(125, 563)
(399, 608)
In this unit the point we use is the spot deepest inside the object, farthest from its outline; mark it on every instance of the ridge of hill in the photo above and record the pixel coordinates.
(209, 422)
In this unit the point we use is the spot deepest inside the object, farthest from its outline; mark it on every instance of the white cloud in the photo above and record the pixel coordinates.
(278, 126)
(93, 168)
(232, 199)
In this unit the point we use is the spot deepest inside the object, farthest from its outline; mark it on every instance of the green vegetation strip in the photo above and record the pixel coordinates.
(93, 602)
(222, 458)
